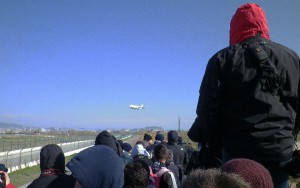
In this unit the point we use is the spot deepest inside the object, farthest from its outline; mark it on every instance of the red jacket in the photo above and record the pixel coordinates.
(10, 186)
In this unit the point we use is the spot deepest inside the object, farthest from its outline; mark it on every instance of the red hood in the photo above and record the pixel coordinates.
(248, 20)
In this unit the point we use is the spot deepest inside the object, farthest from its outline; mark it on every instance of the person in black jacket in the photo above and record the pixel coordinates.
(188, 150)
(52, 164)
(179, 155)
(249, 97)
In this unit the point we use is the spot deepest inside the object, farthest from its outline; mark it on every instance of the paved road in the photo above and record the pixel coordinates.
(133, 140)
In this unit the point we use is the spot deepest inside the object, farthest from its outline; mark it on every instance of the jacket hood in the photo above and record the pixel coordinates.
(105, 138)
(248, 20)
(138, 149)
(159, 137)
(97, 166)
(126, 147)
(172, 137)
(52, 157)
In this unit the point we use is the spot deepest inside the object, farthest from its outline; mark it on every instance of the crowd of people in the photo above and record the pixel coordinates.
(149, 163)
(248, 118)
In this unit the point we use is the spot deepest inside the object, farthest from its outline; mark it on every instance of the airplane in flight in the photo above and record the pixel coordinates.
(136, 107)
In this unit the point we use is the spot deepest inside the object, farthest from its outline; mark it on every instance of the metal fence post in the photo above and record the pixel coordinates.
(7, 157)
(20, 158)
(31, 155)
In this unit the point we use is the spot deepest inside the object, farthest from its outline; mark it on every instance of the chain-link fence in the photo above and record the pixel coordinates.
(21, 155)
(22, 158)
(16, 144)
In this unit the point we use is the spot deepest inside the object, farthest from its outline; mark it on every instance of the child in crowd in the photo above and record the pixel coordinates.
(166, 176)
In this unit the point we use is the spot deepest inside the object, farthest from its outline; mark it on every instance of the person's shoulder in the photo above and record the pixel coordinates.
(166, 174)
(34, 183)
(284, 48)
(62, 180)
(224, 53)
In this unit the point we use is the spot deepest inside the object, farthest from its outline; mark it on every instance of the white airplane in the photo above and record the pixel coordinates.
(136, 107)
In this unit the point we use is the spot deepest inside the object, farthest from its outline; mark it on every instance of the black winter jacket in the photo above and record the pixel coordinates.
(236, 109)
(52, 164)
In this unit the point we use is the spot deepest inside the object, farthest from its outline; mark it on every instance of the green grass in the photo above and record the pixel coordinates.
(26, 175)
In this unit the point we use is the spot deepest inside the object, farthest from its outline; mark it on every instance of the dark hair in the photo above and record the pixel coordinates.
(161, 152)
(147, 137)
(214, 178)
(105, 138)
(120, 142)
(136, 174)
(140, 142)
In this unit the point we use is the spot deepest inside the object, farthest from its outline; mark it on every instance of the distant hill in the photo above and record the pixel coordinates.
(154, 128)
(10, 125)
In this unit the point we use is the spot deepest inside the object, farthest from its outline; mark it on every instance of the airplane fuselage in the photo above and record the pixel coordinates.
(136, 107)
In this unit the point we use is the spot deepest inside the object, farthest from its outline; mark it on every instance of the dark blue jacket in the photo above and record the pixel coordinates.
(96, 167)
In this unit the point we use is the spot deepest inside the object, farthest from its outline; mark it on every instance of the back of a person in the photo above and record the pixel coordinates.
(178, 151)
(97, 166)
(249, 114)
(54, 181)
(178, 154)
(248, 99)
(167, 180)
(52, 165)
(159, 167)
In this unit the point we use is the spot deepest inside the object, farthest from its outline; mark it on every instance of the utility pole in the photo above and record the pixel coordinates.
(179, 124)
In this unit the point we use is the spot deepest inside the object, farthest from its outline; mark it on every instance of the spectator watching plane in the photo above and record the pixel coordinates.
(136, 107)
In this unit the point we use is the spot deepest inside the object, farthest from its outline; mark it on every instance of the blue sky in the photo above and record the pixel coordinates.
(80, 63)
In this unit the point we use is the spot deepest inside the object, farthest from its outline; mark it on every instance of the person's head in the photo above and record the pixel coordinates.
(253, 172)
(105, 138)
(126, 147)
(97, 166)
(147, 137)
(136, 174)
(52, 158)
(180, 140)
(159, 137)
(214, 178)
(172, 137)
(248, 21)
(138, 150)
(161, 153)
